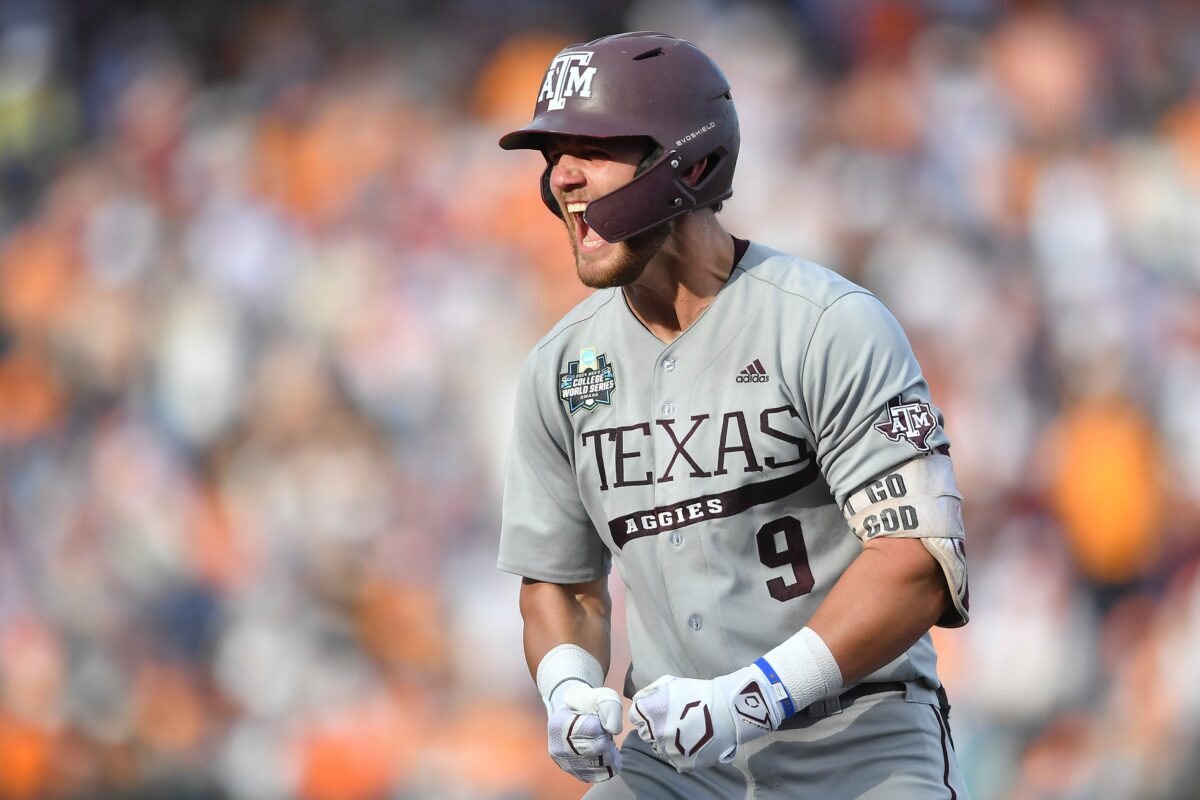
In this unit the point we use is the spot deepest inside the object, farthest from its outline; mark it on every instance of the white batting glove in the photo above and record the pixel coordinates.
(580, 731)
(583, 714)
(695, 724)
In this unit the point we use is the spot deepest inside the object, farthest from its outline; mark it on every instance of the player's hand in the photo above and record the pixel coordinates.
(695, 724)
(580, 731)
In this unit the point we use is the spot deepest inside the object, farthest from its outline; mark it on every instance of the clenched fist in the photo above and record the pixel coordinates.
(580, 731)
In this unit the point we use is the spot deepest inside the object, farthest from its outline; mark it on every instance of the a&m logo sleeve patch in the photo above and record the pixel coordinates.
(588, 382)
(911, 422)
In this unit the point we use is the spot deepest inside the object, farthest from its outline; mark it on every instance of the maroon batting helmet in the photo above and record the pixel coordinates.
(640, 84)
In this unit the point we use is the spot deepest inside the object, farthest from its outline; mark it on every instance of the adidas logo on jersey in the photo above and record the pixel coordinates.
(754, 373)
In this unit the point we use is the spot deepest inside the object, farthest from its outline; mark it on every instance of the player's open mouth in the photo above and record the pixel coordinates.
(588, 239)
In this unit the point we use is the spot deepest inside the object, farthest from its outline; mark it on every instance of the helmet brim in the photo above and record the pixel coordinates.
(533, 136)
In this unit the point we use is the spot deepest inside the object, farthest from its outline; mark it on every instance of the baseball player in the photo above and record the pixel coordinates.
(749, 437)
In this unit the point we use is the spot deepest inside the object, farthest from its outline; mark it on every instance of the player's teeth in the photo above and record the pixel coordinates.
(576, 208)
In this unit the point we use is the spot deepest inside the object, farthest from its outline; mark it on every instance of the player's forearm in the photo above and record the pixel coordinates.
(555, 614)
(885, 601)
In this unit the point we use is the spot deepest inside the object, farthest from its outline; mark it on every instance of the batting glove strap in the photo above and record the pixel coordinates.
(753, 703)
(778, 690)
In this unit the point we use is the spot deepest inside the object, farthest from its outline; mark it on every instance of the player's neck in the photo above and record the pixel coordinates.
(683, 278)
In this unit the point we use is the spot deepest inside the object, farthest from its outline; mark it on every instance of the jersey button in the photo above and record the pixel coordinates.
(668, 409)
(676, 538)
(669, 363)
(695, 622)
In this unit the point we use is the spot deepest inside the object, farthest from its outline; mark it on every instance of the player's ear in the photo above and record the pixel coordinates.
(696, 171)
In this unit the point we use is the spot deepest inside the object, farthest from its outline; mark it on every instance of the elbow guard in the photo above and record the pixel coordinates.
(919, 500)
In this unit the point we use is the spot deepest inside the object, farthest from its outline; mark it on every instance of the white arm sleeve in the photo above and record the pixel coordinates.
(919, 500)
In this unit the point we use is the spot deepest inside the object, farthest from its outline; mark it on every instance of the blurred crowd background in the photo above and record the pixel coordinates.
(266, 281)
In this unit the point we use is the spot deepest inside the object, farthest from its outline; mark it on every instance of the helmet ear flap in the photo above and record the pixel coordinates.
(653, 151)
(547, 195)
(719, 167)
(650, 159)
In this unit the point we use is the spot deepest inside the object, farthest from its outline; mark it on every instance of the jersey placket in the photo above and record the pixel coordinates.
(680, 552)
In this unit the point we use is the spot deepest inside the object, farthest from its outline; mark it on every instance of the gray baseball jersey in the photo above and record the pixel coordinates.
(713, 469)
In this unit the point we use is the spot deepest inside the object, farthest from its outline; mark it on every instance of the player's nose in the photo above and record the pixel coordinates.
(568, 173)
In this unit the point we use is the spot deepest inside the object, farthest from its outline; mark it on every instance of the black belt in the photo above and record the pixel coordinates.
(824, 708)
(864, 689)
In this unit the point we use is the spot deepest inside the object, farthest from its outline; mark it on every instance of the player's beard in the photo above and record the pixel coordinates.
(623, 262)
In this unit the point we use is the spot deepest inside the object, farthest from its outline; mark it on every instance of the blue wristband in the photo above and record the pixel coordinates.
(785, 699)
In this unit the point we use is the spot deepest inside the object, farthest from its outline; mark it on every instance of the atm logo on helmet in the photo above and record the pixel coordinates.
(569, 76)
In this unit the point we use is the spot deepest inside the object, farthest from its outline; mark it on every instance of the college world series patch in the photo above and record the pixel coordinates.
(588, 382)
